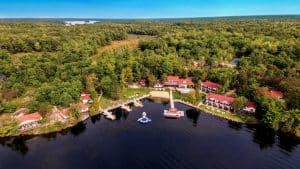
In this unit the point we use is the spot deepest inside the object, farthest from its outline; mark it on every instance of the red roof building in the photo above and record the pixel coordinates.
(220, 98)
(250, 108)
(275, 93)
(184, 83)
(175, 81)
(86, 99)
(219, 101)
(172, 81)
(84, 108)
(210, 87)
(29, 119)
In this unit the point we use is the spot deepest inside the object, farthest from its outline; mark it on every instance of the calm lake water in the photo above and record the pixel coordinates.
(197, 141)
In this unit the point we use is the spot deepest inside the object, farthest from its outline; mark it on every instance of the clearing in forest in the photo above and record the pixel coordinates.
(132, 42)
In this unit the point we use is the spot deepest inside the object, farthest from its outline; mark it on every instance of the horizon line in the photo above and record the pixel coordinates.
(150, 18)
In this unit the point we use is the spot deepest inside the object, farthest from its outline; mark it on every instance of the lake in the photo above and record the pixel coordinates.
(196, 141)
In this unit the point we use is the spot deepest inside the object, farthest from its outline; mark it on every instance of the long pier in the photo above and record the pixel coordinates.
(121, 104)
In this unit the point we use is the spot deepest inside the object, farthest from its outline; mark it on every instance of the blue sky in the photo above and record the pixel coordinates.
(144, 8)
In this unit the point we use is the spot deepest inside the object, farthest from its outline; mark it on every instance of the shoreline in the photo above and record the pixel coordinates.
(226, 116)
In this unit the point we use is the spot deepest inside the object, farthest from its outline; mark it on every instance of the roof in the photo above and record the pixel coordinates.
(220, 98)
(34, 116)
(275, 93)
(186, 81)
(85, 97)
(173, 78)
(211, 84)
(84, 106)
(251, 105)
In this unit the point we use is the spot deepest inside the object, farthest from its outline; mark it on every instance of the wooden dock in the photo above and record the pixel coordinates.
(122, 104)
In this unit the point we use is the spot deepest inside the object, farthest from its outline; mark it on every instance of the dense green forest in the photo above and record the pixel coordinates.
(46, 63)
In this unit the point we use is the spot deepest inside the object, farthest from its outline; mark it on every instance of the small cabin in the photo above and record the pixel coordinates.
(84, 108)
(250, 108)
(85, 98)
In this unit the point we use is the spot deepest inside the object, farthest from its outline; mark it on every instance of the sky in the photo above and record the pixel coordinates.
(144, 8)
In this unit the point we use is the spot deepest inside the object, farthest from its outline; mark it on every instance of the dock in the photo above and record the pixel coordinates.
(135, 100)
(126, 108)
(109, 115)
(173, 112)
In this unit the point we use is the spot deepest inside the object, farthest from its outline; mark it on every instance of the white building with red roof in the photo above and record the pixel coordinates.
(84, 108)
(185, 83)
(85, 98)
(29, 121)
(220, 101)
(172, 81)
(225, 102)
(250, 108)
(210, 87)
(175, 81)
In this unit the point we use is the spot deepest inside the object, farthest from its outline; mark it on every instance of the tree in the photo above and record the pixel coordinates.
(291, 86)
(151, 80)
(75, 113)
(90, 82)
(239, 104)
(106, 84)
(126, 76)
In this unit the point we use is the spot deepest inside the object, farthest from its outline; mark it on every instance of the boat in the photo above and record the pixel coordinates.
(144, 119)
(173, 114)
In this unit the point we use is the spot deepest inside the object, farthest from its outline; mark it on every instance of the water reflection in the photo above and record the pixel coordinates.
(193, 115)
(235, 125)
(288, 143)
(78, 129)
(17, 144)
(120, 114)
(96, 119)
(264, 137)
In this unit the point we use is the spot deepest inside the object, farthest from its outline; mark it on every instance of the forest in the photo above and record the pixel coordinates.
(45, 63)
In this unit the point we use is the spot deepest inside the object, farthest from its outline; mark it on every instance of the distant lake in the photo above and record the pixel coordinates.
(196, 141)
